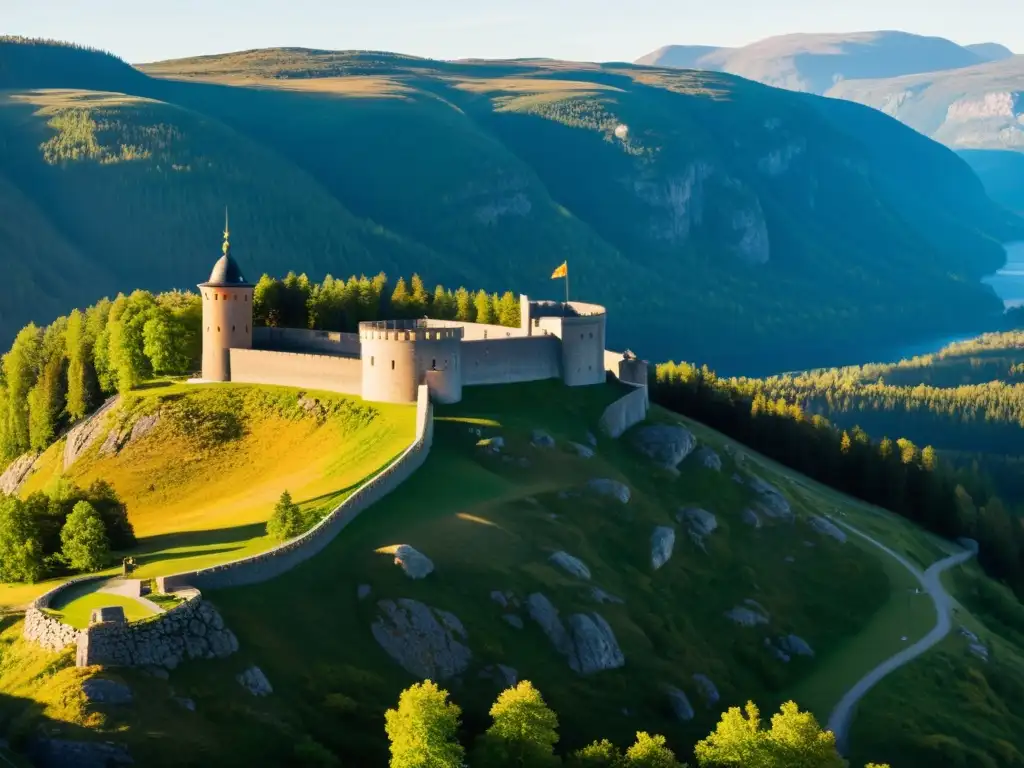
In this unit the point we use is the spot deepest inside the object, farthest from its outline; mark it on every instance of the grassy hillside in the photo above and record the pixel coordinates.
(201, 484)
(490, 521)
(676, 197)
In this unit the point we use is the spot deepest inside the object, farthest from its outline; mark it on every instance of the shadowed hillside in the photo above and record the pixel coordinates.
(750, 226)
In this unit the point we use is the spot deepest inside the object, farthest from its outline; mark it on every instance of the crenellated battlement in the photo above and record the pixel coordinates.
(409, 330)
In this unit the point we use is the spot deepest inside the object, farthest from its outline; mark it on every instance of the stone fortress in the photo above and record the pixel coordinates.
(388, 360)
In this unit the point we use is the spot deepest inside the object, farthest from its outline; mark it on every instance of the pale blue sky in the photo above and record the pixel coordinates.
(591, 30)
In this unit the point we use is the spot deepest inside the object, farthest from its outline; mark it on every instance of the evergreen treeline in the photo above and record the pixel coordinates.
(424, 731)
(54, 375)
(895, 474)
(340, 305)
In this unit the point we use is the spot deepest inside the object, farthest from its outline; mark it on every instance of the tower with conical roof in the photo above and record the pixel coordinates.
(227, 313)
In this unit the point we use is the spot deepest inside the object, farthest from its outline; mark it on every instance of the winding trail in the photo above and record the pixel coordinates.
(842, 715)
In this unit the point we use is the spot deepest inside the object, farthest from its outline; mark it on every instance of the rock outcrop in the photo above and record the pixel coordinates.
(99, 690)
(502, 674)
(415, 564)
(663, 540)
(827, 528)
(750, 614)
(751, 518)
(120, 437)
(679, 703)
(570, 564)
(795, 645)
(17, 472)
(84, 434)
(598, 595)
(426, 642)
(255, 682)
(665, 444)
(613, 488)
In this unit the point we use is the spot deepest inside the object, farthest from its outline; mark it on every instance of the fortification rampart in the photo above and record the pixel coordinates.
(259, 568)
(304, 340)
(627, 411)
(397, 355)
(297, 369)
(507, 361)
(192, 629)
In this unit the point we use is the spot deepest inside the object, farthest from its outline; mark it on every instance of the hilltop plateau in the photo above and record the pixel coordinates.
(749, 226)
(754, 595)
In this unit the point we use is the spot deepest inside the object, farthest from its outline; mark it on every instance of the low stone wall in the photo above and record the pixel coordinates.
(47, 632)
(192, 629)
(296, 369)
(259, 568)
(625, 412)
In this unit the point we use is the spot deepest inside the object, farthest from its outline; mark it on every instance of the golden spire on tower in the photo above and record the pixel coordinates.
(227, 234)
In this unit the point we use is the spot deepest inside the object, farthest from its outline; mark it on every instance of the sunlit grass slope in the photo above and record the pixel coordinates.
(491, 524)
(200, 486)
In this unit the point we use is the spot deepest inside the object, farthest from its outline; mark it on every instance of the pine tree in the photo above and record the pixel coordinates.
(484, 308)
(465, 308)
(439, 304)
(46, 402)
(83, 386)
(287, 520)
(420, 299)
(400, 300)
(423, 729)
(508, 310)
(21, 370)
(929, 460)
(524, 731)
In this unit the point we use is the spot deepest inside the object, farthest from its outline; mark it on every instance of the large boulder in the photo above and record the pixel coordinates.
(665, 444)
(589, 644)
(415, 564)
(707, 689)
(772, 502)
(679, 703)
(541, 439)
(570, 564)
(663, 540)
(699, 522)
(255, 682)
(425, 641)
(750, 614)
(708, 459)
(598, 595)
(751, 518)
(827, 528)
(594, 644)
(613, 488)
(794, 645)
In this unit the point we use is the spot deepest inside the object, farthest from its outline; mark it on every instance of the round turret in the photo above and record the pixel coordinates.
(227, 315)
(399, 355)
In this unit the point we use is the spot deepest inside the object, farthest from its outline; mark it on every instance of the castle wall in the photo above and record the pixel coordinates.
(304, 340)
(625, 412)
(583, 353)
(506, 361)
(295, 369)
(259, 568)
(227, 324)
(481, 331)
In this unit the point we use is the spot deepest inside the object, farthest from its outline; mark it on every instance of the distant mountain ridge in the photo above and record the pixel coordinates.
(816, 62)
(751, 228)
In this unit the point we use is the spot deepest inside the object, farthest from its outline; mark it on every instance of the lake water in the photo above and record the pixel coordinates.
(1008, 282)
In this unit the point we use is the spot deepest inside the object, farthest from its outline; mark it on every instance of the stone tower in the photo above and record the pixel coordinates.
(227, 314)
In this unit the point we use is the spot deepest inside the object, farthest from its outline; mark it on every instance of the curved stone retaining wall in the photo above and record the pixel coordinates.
(268, 565)
(192, 629)
(625, 412)
(46, 631)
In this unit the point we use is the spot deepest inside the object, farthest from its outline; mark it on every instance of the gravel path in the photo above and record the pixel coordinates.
(841, 717)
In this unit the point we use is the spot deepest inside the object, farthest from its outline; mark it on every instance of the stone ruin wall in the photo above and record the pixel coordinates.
(192, 629)
(44, 630)
(627, 411)
(270, 564)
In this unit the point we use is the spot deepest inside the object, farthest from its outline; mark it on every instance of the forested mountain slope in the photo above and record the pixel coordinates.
(749, 226)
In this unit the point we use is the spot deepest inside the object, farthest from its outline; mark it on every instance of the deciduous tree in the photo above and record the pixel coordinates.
(524, 731)
(423, 729)
(84, 542)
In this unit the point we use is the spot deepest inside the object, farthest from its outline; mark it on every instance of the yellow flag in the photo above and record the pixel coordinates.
(562, 271)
